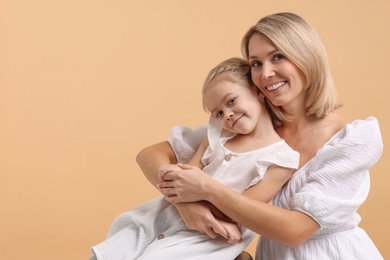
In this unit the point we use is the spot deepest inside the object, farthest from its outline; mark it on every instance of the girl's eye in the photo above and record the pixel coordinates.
(278, 57)
(219, 114)
(231, 101)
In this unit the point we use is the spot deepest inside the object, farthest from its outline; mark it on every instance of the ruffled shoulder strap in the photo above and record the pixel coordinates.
(185, 141)
(280, 154)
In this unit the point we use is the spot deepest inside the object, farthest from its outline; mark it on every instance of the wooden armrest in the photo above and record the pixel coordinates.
(244, 256)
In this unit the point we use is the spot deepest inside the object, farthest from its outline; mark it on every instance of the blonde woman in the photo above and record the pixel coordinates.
(314, 216)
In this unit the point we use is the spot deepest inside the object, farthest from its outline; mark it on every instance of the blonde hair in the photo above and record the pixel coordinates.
(234, 70)
(301, 44)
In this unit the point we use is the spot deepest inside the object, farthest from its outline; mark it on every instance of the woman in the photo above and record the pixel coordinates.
(314, 215)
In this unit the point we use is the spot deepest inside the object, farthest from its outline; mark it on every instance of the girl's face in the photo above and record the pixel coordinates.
(279, 79)
(236, 107)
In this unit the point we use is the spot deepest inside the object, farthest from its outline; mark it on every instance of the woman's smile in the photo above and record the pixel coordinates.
(276, 85)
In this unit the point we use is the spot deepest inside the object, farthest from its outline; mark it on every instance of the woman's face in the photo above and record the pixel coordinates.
(278, 78)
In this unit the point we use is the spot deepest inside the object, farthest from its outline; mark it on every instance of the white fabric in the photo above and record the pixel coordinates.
(135, 234)
(155, 231)
(243, 169)
(330, 188)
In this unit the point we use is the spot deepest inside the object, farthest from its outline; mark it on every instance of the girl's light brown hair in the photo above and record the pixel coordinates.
(236, 70)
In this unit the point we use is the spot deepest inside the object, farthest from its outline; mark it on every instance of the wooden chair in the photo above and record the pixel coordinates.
(244, 256)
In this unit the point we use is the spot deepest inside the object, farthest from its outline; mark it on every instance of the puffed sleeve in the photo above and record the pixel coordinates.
(185, 141)
(338, 178)
(281, 155)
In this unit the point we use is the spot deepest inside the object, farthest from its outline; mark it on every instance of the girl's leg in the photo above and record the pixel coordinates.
(192, 245)
(132, 231)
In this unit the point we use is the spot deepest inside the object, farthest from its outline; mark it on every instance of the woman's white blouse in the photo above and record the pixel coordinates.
(329, 188)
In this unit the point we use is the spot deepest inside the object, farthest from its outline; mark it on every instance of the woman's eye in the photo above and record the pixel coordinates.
(255, 64)
(278, 57)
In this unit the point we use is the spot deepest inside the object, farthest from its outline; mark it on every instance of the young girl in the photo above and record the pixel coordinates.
(242, 151)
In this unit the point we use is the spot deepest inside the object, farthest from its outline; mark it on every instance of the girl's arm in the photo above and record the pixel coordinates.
(196, 159)
(272, 182)
(151, 158)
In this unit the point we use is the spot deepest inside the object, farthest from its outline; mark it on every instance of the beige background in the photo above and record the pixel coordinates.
(85, 84)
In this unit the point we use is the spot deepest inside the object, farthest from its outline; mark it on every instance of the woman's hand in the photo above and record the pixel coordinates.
(165, 169)
(199, 216)
(188, 184)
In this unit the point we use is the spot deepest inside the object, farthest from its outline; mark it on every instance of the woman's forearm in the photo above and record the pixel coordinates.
(288, 227)
(151, 158)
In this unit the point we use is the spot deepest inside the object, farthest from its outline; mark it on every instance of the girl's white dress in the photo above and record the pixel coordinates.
(155, 230)
(329, 188)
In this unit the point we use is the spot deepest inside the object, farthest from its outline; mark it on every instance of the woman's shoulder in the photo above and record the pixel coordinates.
(331, 124)
(336, 133)
(362, 131)
(359, 139)
(338, 124)
(358, 143)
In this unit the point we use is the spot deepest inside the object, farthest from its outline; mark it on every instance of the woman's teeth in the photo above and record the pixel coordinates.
(277, 85)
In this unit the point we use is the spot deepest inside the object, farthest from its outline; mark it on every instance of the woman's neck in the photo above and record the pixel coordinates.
(307, 135)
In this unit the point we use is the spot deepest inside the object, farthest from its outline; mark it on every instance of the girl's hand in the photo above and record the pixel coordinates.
(197, 216)
(186, 185)
(233, 231)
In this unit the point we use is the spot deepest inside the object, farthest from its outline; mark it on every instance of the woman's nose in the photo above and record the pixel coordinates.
(267, 71)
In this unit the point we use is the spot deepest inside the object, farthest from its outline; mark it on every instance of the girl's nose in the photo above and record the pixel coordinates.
(229, 113)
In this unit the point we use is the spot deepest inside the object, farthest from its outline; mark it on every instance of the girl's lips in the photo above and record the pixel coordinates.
(236, 120)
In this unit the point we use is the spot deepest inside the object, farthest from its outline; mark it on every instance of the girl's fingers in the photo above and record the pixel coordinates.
(186, 166)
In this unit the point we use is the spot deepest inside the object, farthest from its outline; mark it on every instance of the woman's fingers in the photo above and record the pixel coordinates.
(163, 170)
(170, 194)
(171, 199)
(167, 184)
